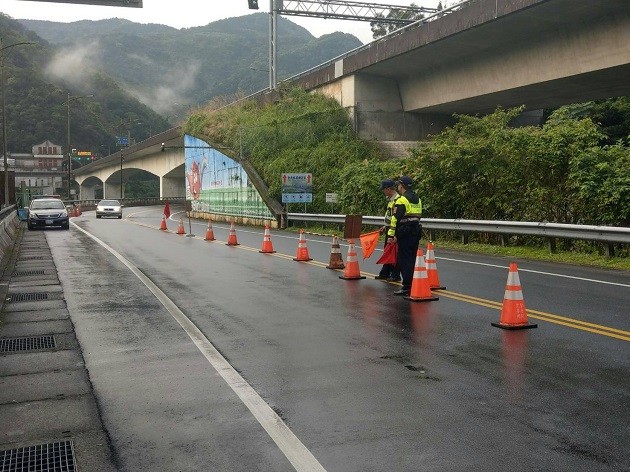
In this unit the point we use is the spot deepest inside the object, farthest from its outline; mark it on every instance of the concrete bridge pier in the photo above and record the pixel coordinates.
(111, 190)
(171, 186)
(88, 192)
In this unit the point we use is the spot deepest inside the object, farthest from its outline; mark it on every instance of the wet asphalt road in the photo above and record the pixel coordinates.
(366, 381)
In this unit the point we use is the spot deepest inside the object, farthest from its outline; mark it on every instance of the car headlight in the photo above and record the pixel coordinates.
(32, 215)
(64, 214)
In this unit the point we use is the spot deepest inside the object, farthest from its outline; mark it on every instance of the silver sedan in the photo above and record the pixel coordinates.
(109, 208)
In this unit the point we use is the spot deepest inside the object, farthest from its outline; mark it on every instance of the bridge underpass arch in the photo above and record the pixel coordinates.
(91, 189)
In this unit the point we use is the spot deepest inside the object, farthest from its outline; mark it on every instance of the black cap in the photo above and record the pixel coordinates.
(387, 183)
(406, 181)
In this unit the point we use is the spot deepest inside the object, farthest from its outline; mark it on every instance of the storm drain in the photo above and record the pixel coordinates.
(30, 258)
(53, 457)
(26, 273)
(27, 297)
(27, 344)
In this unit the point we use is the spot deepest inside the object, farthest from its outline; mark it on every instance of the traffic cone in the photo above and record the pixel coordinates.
(163, 224)
(209, 232)
(434, 279)
(267, 247)
(352, 271)
(71, 212)
(180, 228)
(79, 210)
(420, 289)
(513, 314)
(302, 250)
(232, 237)
(336, 261)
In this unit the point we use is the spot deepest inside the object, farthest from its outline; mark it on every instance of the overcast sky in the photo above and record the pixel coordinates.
(187, 13)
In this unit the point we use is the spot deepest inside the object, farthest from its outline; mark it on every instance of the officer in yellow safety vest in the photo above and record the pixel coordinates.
(389, 272)
(405, 229)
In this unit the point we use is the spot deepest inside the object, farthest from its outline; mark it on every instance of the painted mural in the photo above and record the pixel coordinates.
(218, 184)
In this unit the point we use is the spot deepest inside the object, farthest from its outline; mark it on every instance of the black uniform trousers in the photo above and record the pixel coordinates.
(408, 243)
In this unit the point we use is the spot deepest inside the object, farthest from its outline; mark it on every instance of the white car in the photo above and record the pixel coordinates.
(109, 208)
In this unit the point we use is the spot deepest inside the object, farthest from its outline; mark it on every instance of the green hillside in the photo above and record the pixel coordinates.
(171, 70)
(36, 107)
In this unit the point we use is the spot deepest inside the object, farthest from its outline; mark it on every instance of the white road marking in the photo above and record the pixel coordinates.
(296, 452)
(551, 274)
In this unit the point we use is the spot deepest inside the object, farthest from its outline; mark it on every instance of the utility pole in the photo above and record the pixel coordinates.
(337, 9)
(69, 149)
(4, 119)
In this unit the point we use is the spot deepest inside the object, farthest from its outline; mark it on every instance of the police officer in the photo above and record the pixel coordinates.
(388, 272)
(405, 229)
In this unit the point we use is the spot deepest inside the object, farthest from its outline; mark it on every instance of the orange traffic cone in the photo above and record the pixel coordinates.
(71, 212)
(79, 210)
(352, 271)
(180, 228)
(420, 289)
(267, 247)
(209, 232)
(232, 237)
(513, 314)
(434, 279)
(302, 250)
(163, 224)
(336, 261)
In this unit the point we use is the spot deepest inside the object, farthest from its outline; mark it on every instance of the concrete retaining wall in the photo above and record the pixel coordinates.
(9, 223)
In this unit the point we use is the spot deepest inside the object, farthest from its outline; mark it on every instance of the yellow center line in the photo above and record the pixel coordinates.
(538, 315)
(543, 316)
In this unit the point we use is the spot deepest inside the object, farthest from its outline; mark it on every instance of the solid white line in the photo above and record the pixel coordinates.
(296, 452)
(551, 274)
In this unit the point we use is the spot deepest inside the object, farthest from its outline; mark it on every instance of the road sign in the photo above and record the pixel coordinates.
(297, 183)
(297, 198)
(331, 198)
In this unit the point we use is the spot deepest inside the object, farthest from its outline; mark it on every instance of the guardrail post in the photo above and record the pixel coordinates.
(464, 237)
(551, 243)
(505, 239)
(432, 235)
(610, 249)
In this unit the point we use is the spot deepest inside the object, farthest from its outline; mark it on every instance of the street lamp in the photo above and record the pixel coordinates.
(125, 123)
(4, 119)
(67, 102)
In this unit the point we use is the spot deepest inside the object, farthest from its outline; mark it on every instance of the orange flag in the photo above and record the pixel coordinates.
(368, 243)
(167, 210)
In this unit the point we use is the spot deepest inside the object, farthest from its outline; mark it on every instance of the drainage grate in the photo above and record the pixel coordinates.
(27, 344)
(30, 258)
(53, 457)
(27, 297)
(25, 273)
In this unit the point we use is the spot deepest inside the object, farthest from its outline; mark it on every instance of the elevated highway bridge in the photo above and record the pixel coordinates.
(485, 54)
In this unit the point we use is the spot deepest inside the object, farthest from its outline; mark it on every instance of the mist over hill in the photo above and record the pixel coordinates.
(142, 78)
(170, 69)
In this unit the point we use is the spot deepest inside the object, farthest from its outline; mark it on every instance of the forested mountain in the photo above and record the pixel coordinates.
(171, 69)
(36, 99)
(143, 78)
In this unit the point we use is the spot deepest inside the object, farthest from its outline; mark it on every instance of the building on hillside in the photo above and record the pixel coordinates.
(42, 171)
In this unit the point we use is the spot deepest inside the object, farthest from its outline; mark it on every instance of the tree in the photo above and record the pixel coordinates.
(383, 28)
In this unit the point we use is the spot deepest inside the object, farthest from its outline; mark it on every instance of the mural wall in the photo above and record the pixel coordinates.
(218, 184)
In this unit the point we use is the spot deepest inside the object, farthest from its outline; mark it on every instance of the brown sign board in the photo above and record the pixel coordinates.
(352, 228)
(188, 205)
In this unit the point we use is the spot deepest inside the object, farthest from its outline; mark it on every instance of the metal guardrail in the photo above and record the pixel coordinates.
(606, 234)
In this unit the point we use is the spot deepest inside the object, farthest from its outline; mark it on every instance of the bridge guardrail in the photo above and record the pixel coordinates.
(604, 234)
